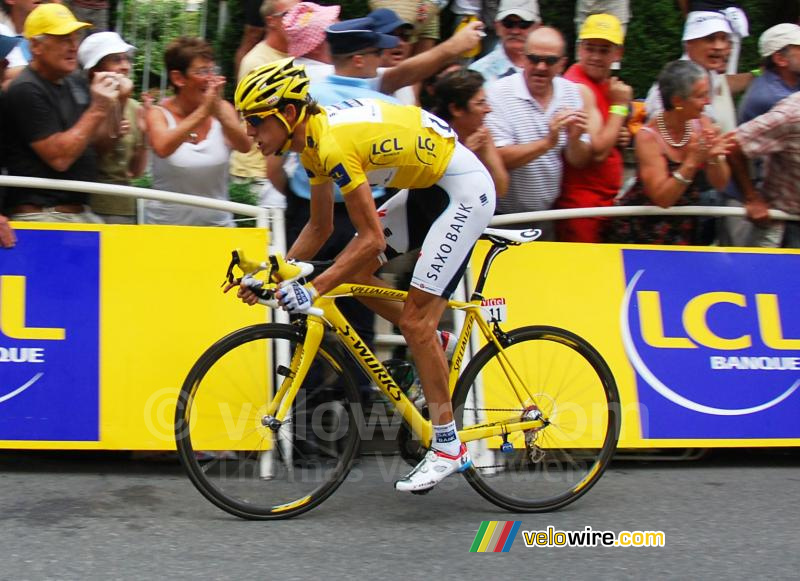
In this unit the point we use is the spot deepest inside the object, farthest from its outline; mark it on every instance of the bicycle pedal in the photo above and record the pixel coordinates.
(421, 492)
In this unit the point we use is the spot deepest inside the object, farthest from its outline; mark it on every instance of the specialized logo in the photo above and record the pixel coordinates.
(709, 340)
(495, 536)
(49, 337)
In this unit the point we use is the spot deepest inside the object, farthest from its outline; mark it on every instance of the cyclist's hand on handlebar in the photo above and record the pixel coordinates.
(245, 291)
(295, 297)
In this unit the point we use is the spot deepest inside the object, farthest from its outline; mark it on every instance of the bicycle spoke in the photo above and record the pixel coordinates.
(570, 388)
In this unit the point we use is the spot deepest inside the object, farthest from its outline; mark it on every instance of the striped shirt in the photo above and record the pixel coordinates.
(776, 135)
(517, 118)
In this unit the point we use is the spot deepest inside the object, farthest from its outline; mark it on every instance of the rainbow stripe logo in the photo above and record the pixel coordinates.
(495, 536)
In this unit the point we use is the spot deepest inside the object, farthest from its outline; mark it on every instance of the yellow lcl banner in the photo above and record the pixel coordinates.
(99, 326)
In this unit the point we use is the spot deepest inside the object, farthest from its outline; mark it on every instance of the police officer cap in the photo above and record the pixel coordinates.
(358, 34)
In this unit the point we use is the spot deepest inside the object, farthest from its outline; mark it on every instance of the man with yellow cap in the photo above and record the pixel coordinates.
(52, 117)
(600, 44)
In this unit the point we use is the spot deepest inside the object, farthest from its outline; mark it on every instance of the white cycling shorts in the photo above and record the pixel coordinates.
(443, 222)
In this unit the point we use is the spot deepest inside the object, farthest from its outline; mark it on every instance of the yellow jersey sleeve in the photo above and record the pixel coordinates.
(383, 144)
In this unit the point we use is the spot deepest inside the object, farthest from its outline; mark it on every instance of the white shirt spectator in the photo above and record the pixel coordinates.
(516, 117)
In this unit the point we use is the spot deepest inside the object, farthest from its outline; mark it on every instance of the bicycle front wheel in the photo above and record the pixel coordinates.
(546, 373)
(232, 454)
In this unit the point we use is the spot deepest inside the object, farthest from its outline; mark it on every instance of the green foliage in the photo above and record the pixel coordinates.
(151, 25)
(244, 194)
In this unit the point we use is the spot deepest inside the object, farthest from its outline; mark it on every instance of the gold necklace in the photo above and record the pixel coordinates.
(662, 129)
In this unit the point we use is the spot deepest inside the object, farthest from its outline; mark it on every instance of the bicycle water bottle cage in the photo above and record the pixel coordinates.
(282, 270)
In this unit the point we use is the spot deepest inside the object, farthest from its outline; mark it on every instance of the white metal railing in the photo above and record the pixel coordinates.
(568, 213)
(260, 214)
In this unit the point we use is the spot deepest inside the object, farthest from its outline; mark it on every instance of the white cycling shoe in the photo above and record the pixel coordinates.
(435, 467)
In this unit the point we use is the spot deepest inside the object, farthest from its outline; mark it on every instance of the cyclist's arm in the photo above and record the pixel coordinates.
(319, 226)
(364, 248)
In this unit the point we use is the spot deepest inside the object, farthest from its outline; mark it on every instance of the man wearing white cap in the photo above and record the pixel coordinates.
(779, 47)
(736, 18)
(706, 38)
(515, 19)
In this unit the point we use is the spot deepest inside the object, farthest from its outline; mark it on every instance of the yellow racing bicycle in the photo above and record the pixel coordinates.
(537, 406)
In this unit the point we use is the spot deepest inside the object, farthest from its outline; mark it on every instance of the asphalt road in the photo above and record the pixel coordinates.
(102, 516)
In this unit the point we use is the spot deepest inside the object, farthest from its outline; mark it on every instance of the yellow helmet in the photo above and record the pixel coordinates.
(269, 86)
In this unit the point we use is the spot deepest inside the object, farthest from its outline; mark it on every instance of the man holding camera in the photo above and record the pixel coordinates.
(51, 118)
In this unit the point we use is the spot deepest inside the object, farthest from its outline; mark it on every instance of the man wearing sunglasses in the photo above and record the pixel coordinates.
(538, 121)
(515, 20)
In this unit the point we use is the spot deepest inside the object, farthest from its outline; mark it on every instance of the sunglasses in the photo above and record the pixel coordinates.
(256, 120)
(549, 60)
(512, 23)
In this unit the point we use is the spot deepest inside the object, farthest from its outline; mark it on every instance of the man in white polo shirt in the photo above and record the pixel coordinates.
(536, 117)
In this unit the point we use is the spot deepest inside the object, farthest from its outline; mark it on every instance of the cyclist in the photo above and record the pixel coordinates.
(450, 199)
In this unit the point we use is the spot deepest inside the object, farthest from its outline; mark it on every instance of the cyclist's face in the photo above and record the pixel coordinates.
(268, 133)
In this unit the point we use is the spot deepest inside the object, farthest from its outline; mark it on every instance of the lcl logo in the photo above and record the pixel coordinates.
(13, 324)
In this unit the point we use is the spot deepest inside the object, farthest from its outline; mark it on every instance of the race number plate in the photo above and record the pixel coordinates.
(494, 310)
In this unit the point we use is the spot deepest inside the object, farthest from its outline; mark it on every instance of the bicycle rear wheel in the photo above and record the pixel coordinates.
(563, 378)
(239, 463)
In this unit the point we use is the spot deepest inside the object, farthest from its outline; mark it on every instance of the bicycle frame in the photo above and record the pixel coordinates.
(332, 317)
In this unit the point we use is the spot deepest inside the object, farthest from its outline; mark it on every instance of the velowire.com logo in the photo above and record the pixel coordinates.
(495, 536)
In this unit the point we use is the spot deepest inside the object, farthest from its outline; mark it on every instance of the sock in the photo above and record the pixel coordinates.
(448, 341)
(445, 439)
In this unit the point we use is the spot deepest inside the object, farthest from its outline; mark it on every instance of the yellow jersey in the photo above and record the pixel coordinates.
(383, 144)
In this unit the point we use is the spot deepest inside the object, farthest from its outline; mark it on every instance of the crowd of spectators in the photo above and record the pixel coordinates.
(552, 136)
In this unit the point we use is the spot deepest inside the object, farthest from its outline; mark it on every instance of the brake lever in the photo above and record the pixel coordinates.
(235, 261)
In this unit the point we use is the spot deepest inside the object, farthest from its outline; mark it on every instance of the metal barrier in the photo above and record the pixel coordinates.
(260, 214)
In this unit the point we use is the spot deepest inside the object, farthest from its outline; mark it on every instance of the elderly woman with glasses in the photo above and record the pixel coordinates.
(192, 134)
(679, 151)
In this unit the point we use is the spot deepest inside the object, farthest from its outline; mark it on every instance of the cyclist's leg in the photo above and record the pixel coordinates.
(418, 323)
(448, 241)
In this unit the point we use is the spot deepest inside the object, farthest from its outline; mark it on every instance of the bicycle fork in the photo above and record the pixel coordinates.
(293, 367)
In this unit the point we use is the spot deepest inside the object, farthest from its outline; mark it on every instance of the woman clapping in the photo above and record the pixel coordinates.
(192, 134)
